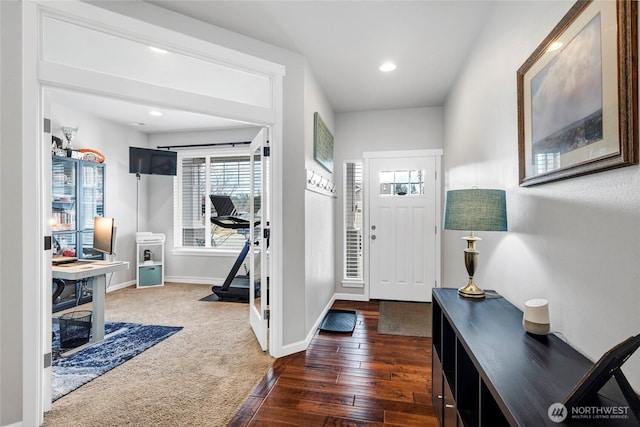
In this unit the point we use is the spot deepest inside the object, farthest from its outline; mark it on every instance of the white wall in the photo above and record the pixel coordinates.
(384, 130)
(318, 212)
(573, 242)
(112, 140)
(292, 192)
(402, 129)
(11, 214)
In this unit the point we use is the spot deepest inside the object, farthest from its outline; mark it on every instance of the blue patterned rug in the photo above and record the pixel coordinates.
(131, 339)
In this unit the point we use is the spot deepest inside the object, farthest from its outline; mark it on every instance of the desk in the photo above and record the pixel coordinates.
(96, 270)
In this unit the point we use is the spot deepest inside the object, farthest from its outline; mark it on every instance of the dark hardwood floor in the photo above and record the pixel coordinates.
(359, 379)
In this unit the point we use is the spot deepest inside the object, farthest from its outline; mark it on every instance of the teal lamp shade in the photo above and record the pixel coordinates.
(476, 210)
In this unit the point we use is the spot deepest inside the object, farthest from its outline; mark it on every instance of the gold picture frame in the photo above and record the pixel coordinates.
(577, 95)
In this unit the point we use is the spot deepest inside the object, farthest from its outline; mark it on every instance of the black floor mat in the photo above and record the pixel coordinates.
(339, 321)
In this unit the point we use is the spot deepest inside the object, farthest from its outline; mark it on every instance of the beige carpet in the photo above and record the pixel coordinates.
(197, 377)
(405, 318)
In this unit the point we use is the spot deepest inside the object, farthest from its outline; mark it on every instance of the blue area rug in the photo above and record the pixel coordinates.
(69, 373)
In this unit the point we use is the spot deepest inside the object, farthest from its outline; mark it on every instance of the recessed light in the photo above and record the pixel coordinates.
(387, 66)
(554, 46)
(137, 124)
(158, 50)
(155, 113)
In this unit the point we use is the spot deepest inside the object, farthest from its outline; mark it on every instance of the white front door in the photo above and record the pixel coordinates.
(403, 226)
(258, 263)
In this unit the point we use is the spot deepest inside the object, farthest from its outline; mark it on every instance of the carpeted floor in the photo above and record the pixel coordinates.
(405, 318)
(198, 377)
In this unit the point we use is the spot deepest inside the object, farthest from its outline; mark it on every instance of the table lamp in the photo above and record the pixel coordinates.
(474, 210)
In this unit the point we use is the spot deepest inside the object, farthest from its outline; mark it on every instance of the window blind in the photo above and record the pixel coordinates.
(198, 177)
(193, 194)
(353, 257)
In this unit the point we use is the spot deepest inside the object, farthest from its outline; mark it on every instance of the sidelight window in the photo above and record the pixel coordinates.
(353, 203)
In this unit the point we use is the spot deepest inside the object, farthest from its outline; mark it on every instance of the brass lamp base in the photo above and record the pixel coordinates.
(471, 290)
(471, 262)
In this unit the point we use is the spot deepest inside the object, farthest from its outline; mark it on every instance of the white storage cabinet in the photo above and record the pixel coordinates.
(150, 259)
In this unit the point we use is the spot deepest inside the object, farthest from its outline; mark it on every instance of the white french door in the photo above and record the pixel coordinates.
(260, 216)
(403, 226)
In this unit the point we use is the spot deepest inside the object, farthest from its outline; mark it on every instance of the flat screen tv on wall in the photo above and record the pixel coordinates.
(147, 161)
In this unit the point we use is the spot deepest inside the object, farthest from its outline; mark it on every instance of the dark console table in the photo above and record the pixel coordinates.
(487, 371)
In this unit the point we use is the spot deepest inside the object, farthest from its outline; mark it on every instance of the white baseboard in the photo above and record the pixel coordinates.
(207, 281)
(123, 285)
(177, 279)
(302, 345)
(190, 280)
(288, 349)
(319, 320)
(350, 297)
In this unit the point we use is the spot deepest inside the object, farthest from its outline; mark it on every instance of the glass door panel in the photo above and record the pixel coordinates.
(64, 244)
(77, 197)
(259, 277)
(63, 195)
(91, 194)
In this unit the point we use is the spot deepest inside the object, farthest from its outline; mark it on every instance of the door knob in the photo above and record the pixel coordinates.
(373, 237)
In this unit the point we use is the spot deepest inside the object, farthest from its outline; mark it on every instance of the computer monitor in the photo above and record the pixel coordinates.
(104, 235)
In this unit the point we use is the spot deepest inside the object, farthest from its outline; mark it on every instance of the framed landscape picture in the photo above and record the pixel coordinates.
(322, 143)
(577, 95)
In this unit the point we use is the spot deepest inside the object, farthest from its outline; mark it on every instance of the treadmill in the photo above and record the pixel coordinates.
(235, 287)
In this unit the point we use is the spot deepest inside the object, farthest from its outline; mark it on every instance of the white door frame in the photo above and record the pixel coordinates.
(367, 156)
(257, 314)
(36, 76)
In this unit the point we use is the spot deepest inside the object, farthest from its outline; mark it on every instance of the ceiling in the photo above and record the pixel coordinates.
(344, 43)
(137, 115)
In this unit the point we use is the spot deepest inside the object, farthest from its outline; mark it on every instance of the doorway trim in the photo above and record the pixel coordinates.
(35, 152)
(367, 156)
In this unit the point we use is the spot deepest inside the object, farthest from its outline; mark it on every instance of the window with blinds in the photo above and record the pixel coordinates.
(353, 202)
(198, 177)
